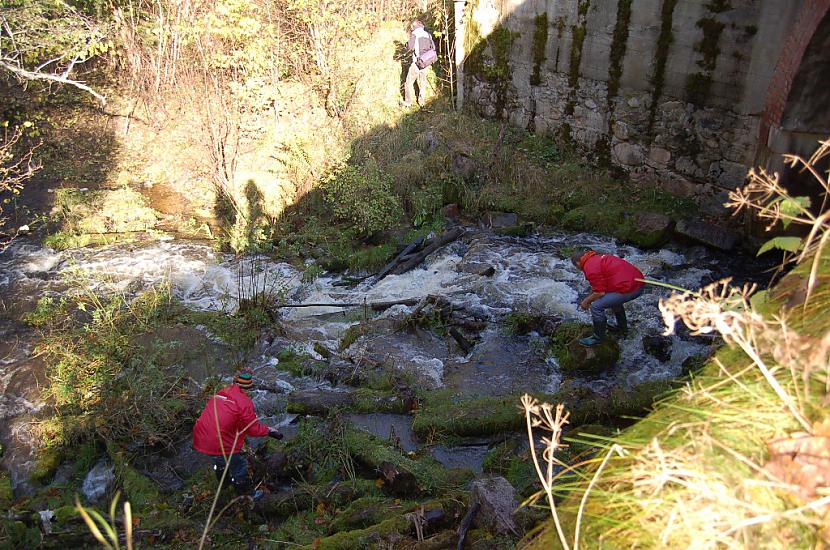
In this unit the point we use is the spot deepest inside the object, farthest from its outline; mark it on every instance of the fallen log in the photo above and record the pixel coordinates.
(399, 258)
(463, 343)
(442, 240)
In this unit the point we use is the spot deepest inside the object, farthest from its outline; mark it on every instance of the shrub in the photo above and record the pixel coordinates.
(363, 197)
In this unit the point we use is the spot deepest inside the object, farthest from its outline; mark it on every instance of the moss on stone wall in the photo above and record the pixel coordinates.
(708, 45)
(664, 42)
(698, 85)
(578, 33)
(619, 44)
(560, 32)
(540, 42)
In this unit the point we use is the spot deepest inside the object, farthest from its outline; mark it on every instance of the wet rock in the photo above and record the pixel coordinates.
(658, 347)
(497, 501)
(573, 356)
(451, 213)
(99, 481)
(476, 268)
(315, 402)
(651, 229)
(501, 219)
(707, 233)
(398, 480)
(463, 166)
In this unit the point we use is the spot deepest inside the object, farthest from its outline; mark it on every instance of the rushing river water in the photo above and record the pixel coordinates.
(531, 274)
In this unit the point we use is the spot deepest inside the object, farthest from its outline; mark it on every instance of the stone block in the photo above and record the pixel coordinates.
(707, 233)
(501, 219)
(659, 157)
(497, 502)
(629, 154)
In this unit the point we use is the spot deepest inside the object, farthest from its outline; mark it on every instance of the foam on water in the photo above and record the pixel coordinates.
(530, 274)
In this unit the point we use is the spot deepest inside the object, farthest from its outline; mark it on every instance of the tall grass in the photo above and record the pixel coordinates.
(701, 471)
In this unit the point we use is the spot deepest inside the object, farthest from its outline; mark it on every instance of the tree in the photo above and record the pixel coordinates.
(45, 40)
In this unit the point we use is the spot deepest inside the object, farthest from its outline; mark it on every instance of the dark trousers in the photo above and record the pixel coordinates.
(613, 301)
(237, 472)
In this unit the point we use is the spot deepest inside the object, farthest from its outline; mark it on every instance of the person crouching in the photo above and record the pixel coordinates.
(221, 429)
(614, 282)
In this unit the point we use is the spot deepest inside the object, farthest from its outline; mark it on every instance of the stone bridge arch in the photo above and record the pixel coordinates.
(797, 108)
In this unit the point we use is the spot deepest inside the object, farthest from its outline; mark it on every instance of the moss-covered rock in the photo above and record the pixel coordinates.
(573, 356)
(365, 512)
(360, 539)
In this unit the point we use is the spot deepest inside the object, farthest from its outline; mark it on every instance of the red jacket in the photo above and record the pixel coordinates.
(235, 413)
(608, 273)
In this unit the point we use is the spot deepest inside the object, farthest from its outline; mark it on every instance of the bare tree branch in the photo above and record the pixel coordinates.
(63, 79)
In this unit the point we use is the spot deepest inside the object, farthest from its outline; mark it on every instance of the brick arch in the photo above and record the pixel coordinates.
(792, 52)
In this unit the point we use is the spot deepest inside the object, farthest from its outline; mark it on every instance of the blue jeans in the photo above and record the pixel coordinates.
(613, 301)
(237, 472)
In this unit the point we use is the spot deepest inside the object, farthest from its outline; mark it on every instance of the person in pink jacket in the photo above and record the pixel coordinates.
(228, 418)
(614, 282)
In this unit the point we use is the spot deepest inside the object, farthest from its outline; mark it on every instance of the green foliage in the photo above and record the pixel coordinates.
(573, 356)
(363, 196)
(787, 244)
(49, 30)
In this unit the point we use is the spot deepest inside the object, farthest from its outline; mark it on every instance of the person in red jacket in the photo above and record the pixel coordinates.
(221, 429)
(614, 282)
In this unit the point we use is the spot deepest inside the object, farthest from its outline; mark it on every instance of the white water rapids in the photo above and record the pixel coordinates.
(531, 274)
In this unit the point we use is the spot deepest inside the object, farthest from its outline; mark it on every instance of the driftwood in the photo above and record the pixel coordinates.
(442, 240)
(399, 258)
(412, 256)
(465, 524)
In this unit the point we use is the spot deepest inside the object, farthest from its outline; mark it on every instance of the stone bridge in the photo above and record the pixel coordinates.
(688, 94)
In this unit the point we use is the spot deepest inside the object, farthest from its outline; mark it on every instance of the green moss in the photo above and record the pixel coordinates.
(697, 87)
(619, 44)
(48, 461)
(377, 401)
(428, 476)
(573, 356)
(511, 461)
(361, 539)
(661, 56)
(65, 514)
(352, 334)
(708, 45)
(139, 490)
(540, 42)
(365, 512)
(578, 40)
(299, 364)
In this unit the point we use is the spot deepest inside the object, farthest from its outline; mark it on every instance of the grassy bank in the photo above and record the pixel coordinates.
(703, 470)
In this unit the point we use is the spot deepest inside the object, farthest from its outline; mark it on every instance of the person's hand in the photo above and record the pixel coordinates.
(584, 304)
(272, 432)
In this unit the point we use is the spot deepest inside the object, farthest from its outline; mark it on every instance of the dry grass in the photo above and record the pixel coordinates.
(699, 471)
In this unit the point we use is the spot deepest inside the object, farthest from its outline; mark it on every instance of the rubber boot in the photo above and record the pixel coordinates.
(621, 328)
(597, 337)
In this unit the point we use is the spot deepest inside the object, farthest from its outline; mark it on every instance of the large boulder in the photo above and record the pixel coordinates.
(707, 233)
(497, 503)
(650, 230)
(573, 356)
(99, 481)
(501, 219)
